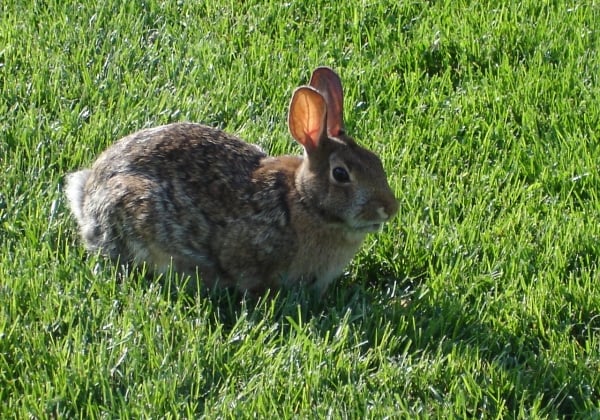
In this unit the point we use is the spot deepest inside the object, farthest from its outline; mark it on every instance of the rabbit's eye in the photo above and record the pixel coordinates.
(340, 174)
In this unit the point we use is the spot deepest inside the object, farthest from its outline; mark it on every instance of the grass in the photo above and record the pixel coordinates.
(480, 299)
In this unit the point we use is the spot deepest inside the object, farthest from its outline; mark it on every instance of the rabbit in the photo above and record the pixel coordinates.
(201, 202)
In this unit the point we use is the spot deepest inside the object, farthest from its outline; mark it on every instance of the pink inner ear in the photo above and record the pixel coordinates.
(314, 135)
(307, 117)
(311, 140)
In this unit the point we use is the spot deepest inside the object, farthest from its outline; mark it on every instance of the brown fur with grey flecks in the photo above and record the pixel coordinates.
(204, 202)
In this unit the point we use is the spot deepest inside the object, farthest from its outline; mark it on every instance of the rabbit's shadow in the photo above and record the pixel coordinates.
(363, 301)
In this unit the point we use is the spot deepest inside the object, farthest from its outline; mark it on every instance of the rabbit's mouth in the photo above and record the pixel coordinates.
(367, 227)
(374, 227)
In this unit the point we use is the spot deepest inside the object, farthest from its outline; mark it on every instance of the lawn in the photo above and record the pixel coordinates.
(480, 299)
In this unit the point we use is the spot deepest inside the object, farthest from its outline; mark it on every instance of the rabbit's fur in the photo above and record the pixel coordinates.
(203, 202)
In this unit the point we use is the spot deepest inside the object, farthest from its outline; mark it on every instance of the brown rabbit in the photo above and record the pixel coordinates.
(202, 201)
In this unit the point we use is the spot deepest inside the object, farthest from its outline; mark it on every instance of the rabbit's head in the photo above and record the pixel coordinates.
(342, 181)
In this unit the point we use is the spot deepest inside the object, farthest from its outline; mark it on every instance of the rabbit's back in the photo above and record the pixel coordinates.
(187, 160)
(171, 194)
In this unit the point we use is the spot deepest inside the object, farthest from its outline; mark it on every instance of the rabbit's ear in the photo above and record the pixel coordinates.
(328, 83)
(307, 118)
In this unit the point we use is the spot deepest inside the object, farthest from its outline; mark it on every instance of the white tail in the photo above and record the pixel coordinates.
(74, 191)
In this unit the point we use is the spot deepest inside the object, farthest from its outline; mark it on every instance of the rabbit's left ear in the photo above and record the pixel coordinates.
(307, 118)
(328, 83)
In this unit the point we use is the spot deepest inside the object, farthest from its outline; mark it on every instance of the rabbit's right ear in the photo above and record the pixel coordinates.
(328, 83)
(307, 118)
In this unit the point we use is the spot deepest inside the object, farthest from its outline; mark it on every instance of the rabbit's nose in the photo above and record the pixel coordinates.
(388, 210)
(382, 213)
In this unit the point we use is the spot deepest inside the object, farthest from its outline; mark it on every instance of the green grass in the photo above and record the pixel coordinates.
(481, 299)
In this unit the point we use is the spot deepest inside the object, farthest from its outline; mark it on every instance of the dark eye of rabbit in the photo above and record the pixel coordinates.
(340, 175)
